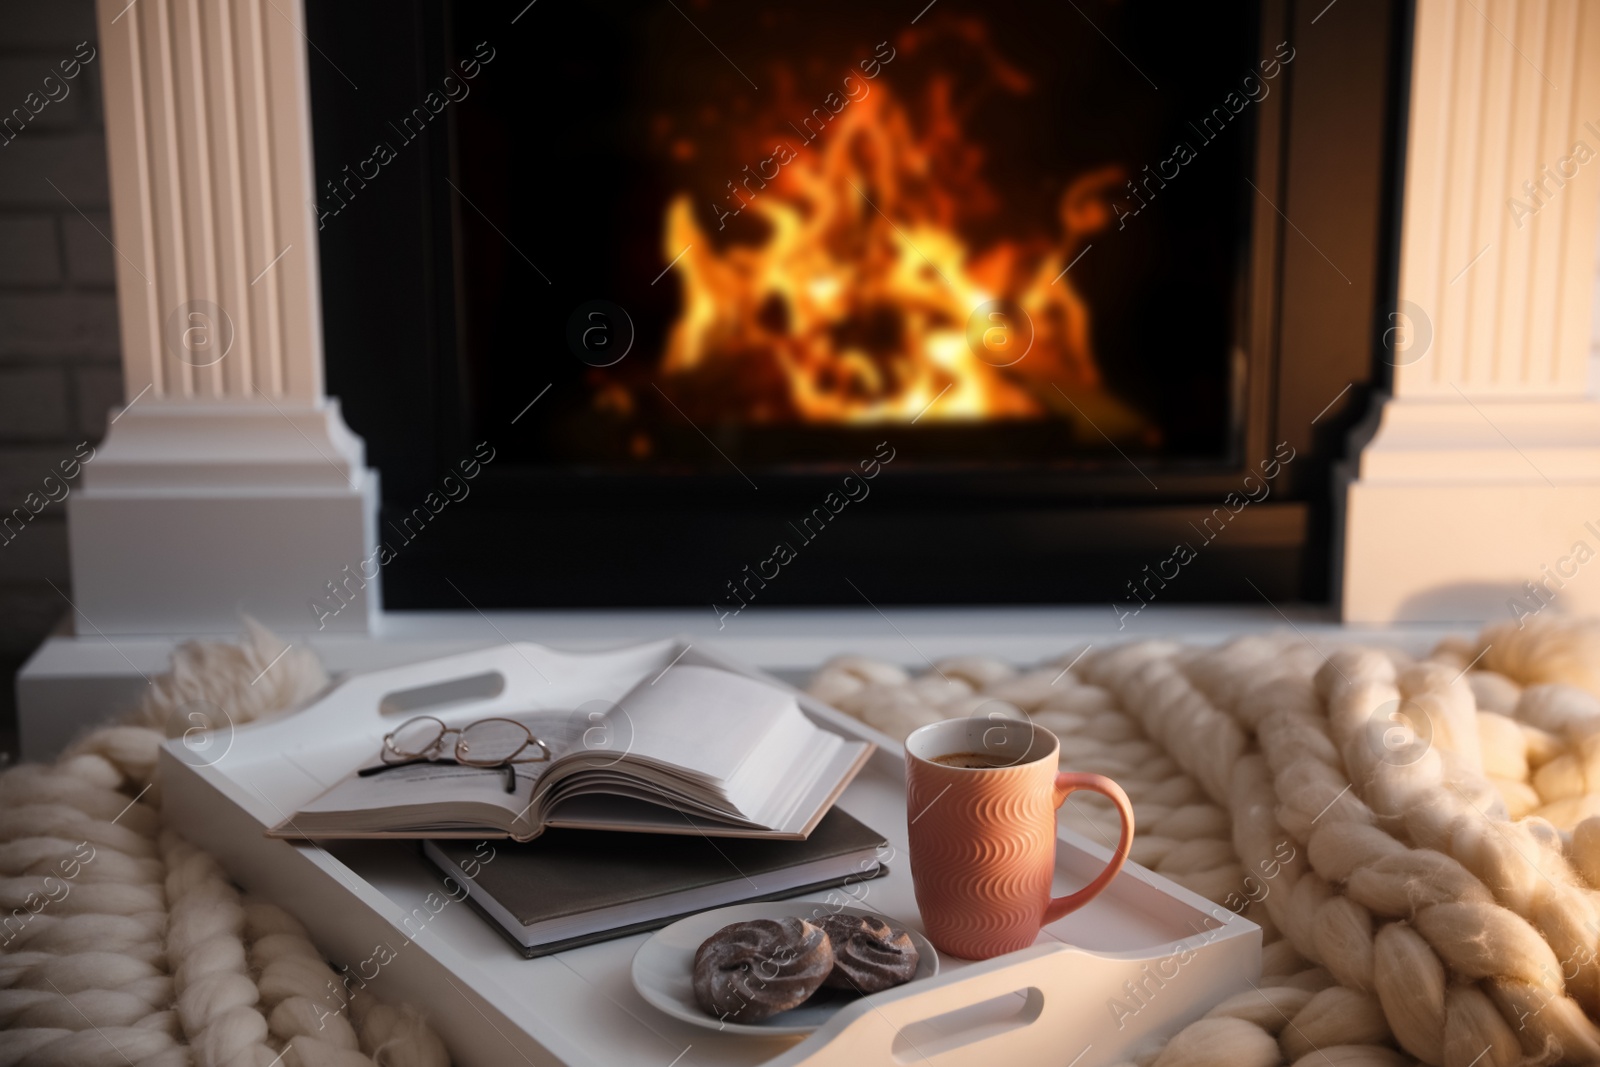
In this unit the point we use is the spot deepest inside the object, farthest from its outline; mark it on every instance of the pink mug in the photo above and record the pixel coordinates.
(983, 832)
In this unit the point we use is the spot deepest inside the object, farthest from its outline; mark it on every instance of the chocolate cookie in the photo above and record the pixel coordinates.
(751, 970)
(868, 953)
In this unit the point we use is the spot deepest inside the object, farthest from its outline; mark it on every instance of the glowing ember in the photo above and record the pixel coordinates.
(861, 302)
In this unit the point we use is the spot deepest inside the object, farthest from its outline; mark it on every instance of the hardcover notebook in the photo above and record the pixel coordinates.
(572, 888)
(696, 750)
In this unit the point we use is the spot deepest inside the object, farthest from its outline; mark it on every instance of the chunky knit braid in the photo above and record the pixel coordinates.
(121, 944)
(1407, 833)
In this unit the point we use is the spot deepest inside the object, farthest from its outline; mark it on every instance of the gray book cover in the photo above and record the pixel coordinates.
(567, 874)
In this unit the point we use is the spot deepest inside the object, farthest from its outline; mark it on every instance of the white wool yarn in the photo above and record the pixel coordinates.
(122, 944)
(1426, 901)
(1543, 649)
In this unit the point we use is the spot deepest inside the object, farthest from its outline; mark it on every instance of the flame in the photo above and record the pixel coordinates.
(856, 304)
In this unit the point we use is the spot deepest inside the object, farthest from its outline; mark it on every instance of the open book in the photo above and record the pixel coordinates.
(695, 751)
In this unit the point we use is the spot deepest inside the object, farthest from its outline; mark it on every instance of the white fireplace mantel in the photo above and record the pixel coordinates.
(1476, 480)
(229, 483)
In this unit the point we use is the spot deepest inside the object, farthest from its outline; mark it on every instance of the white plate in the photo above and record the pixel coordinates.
(663, 968)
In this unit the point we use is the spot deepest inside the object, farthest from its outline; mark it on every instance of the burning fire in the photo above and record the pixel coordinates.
(861, 302)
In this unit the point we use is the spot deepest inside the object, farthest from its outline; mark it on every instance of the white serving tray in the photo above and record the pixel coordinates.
(379, 909)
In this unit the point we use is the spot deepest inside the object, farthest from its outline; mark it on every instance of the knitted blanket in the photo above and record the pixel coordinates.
(1419, 839)
(121, 945)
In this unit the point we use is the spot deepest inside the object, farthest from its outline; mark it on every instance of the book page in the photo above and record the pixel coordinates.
(701, 721)
(429, 784)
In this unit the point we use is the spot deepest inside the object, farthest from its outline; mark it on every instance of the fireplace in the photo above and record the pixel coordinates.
(879, 241)
(730, 304)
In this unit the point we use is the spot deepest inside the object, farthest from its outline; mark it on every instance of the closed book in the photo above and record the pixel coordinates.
(575, 887)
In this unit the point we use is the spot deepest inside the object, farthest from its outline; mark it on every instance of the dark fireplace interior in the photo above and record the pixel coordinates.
(835, 235)
(736, 304)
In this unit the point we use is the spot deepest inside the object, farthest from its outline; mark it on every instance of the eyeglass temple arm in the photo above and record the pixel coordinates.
(368, 772)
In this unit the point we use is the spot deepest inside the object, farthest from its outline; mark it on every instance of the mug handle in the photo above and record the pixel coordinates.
(1068, 782)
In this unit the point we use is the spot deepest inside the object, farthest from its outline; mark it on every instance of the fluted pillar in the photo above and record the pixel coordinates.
(1476, 494)
(227, 482)
(208, 129)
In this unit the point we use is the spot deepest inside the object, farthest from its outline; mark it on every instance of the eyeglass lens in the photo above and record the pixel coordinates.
(491, 742)
(416, 737)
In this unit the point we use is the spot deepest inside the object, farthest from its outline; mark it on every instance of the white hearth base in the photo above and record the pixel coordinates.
(1475, 511)
(191, 514)
(74, 682)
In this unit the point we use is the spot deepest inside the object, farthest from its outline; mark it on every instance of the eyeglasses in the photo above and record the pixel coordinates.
(492, 744)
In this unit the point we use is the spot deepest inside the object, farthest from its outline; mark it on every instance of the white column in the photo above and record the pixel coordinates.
(1477, 492)
(228, 483)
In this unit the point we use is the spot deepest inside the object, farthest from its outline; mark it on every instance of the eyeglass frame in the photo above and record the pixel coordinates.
(460, 755)
(431, 754)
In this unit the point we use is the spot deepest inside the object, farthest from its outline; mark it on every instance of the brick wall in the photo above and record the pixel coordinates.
(59, 369)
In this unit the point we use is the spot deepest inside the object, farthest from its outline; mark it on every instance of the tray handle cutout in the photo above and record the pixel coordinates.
(920, 1041)
(425, 699)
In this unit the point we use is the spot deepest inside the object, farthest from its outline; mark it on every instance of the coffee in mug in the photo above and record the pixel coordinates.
(981, 800)
(972, 760)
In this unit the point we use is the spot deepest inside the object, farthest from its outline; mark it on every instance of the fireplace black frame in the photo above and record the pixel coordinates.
(1328, 155)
